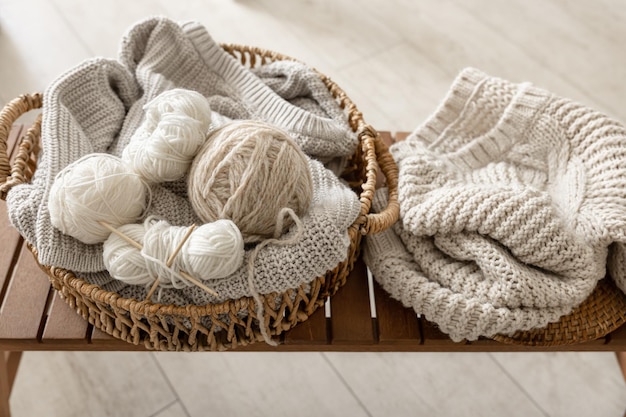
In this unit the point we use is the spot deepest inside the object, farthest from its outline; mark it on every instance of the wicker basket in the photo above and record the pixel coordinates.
(171, 327)
(601, 313)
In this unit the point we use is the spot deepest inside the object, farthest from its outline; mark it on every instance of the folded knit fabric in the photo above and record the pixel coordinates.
(440, 288)
(510, 198)
(98, 105)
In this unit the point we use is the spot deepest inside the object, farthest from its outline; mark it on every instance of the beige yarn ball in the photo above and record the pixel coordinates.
(248, 171)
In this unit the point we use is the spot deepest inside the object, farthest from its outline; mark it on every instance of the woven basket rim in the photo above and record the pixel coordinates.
(149, 308)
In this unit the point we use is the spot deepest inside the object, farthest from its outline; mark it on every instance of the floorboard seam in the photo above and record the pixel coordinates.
(169, 383)
(164, 408)
(518, 385)
(345, 383)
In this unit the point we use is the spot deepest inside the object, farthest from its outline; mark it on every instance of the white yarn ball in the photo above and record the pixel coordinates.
(98, 187)
(166, 153)
(212, 251)
(123, 260)
(175, 128)
(178, 101)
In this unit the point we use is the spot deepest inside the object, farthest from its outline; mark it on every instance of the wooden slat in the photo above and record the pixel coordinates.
(14, 135)
(10, 237)
(396, 324)
(98, 336)
(64, 325)
(102, 341)
(13, 362)
(5, 388)
(401, 136)
(25, 301)
(432, 336)
(312, 331)
(621, 359)
(617, 339)
(387, 137)
(10, 246)
(350, 315)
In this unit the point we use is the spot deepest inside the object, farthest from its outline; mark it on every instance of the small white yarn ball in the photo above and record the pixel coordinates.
(174, 130)
(212, 251)
(123, 260)
(165, 154)
(98, 187)
(178, 101)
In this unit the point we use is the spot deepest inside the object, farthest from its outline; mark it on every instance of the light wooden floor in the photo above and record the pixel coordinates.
(396, 59)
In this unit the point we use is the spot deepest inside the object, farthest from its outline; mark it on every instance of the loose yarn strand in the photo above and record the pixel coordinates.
(299, 232)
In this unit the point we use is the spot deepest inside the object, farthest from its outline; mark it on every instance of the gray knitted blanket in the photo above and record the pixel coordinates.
(510, 198)
(98, 105)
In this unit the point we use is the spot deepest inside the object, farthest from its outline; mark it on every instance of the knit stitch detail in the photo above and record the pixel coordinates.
(424, 274)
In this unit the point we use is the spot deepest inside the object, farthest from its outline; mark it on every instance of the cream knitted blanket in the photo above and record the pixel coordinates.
(98, 105)
(510, 198)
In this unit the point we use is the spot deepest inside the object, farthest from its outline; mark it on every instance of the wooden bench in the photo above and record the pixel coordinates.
(360, 317)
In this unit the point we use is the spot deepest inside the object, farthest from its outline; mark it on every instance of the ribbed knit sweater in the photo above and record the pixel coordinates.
(98, 105)
(510, 198)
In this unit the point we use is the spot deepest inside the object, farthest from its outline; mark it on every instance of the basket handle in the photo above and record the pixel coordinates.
(21, 170)
(377, 156)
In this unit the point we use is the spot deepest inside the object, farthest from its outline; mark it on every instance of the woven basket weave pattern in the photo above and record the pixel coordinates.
(601, 313)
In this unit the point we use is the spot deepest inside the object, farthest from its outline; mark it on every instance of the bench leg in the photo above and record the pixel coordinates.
(621, 359)
(9, 362)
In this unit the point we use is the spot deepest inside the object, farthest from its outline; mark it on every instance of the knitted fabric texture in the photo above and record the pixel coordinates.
(98, 105)
(510, 198)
